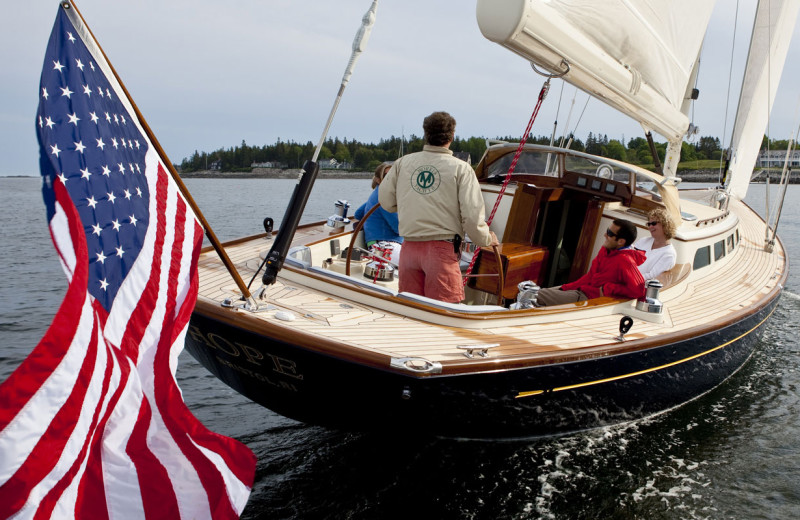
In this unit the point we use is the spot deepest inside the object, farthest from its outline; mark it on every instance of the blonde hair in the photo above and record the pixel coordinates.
(667, 224)
(380, 172)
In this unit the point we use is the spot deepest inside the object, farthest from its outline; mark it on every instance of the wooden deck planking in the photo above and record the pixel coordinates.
(729, 288)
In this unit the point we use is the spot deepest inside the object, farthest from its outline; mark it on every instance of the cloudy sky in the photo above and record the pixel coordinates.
(211, 74)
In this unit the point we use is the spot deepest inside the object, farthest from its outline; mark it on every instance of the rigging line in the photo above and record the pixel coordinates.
(786, 171)
(542, 94)
(578, 122)
(569, 116)
(769, 116)
(555, 125)
(721, 177)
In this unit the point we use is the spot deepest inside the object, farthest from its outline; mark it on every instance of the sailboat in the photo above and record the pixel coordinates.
(327, 338)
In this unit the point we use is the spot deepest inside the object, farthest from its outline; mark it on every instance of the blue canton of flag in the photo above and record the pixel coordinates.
(94, 146)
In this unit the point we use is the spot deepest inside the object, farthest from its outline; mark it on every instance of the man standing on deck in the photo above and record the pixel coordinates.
(438, 201)
(614, 271)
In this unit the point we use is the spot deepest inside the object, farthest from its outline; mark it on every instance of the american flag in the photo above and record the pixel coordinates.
(92, 423)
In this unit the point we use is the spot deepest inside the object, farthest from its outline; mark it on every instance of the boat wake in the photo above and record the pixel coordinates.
(793, 296)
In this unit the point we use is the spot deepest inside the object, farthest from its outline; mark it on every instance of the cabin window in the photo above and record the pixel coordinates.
(719, 250)
(730, 243)
(702, 257)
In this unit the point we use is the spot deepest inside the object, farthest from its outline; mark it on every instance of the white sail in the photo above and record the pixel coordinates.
(772, 33)
(635, 55)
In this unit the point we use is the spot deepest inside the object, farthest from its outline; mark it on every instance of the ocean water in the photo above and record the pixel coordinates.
(733, 453)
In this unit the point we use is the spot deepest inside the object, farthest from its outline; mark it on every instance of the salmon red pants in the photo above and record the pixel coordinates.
(430, 268)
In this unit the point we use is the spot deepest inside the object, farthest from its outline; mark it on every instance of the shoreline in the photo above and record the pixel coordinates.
(273, 173)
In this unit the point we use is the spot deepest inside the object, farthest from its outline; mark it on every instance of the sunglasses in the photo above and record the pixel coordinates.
(610, 233)
(653, 223)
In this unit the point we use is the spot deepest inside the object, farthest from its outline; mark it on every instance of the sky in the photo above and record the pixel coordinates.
(208, 75)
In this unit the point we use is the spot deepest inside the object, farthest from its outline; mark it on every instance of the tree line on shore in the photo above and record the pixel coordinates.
(366, 156)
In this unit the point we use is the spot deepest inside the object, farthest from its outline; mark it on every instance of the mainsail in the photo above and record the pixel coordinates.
(635, 55)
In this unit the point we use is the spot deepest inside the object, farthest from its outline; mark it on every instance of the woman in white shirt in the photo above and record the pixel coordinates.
(660, 253)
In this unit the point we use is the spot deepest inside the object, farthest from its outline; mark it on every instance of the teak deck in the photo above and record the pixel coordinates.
(700, 302)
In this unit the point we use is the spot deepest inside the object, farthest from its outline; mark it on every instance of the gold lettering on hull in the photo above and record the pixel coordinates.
(281, 365)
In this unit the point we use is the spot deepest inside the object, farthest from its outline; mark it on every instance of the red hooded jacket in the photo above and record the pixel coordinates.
(616, 272)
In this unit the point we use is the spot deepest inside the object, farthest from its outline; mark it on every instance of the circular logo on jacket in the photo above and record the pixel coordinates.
(425, 179)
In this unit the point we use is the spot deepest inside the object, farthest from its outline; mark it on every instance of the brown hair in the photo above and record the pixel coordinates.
(440, 128)
(380, 173)
(627, 230)
(667, 224)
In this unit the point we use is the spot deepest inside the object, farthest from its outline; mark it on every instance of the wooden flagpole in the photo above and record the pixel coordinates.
(212, 237)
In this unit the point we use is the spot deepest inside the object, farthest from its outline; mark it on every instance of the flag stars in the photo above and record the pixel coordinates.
(85, 174)
(108, 117)
(103, 284)
(96, 229)
(70, 37)
(100, 91)
(87, 90)
(128, 197)
(49, 123)
(62, 178)
(111, 197)
(134, 220)
(100, 143)
(91, 65)
(79, 63)
(44, 93)
(101, 257)
(114, 143)
(73, 118)
(57, 66)
(117, 225)
(116, 119)
(106, 171)
(108, 94)
(79, 146)
(94, 117)
(92, 203)
(139, 191)
(120, 251)
(122, 118)
(66, 92)
(54, 150)
(121, 168)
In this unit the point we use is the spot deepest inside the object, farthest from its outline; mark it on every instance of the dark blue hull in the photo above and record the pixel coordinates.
(546, 399)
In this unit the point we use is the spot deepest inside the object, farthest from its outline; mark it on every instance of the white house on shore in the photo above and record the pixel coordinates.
(776, 158)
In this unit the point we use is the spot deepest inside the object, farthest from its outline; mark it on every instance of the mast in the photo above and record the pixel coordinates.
(297, 203)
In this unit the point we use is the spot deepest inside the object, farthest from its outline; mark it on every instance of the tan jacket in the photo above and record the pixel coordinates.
(436, 196)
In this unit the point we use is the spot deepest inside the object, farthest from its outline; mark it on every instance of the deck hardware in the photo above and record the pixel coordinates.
(526, 295)
(406, 395)
(482, 349)
(625, 325)
(651, 303)
(339, 218)
(417, 364)
(285, 316)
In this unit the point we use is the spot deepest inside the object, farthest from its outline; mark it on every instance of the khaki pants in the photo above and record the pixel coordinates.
(555, 296)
